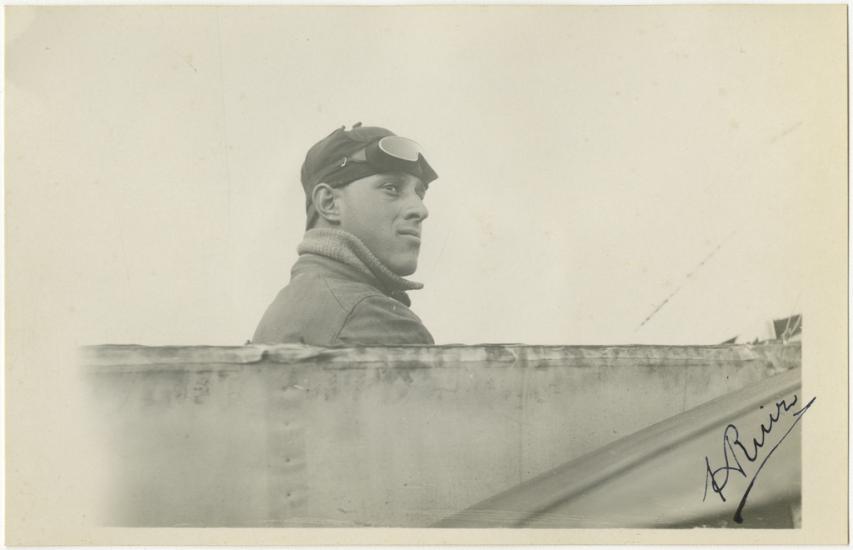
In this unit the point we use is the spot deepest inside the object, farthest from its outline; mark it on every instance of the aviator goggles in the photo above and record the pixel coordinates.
(389, 154)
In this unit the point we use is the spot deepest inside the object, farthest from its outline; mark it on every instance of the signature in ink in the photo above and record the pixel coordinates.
(734, 447)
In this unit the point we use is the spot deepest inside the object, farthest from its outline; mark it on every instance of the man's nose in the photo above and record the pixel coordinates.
(416, 209)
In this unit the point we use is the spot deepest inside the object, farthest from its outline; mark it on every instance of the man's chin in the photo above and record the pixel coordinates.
(404, 269)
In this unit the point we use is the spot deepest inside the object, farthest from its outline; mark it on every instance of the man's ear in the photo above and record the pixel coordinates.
(325, 201)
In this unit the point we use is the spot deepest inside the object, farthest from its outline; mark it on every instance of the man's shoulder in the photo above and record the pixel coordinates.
(327, 305)
(382, 320)
(345, 292)
(323, 278)
(356, 313)
(312, 309)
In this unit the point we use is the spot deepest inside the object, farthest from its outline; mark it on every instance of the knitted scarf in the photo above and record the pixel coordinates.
(347, 248)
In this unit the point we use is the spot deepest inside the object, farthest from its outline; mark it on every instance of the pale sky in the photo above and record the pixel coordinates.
(590, 161)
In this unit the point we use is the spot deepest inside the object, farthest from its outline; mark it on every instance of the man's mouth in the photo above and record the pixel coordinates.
(411, 233)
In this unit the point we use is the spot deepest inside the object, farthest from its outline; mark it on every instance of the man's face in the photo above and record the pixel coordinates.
(385, 211)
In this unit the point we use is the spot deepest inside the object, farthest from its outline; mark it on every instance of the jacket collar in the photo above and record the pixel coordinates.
(348, 249)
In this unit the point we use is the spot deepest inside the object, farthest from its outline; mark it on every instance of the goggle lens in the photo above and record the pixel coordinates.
(400, 147)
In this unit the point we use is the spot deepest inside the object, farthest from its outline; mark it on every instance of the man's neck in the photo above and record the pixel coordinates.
(345, 247)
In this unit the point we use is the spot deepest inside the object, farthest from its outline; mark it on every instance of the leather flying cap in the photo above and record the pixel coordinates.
(327, 162)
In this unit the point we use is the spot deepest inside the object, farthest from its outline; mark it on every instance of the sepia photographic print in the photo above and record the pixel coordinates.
(426, 274)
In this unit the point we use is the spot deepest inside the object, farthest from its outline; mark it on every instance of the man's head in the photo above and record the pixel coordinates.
(371, 183)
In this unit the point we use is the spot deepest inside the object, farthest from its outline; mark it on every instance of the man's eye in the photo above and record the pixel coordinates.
(392, 187)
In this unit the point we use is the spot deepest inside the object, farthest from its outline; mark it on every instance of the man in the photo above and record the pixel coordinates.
(364, 191)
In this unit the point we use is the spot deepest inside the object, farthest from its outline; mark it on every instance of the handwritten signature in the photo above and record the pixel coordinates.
(718, 478)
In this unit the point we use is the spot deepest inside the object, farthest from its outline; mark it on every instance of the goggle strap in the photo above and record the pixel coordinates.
(358, 156)
(391, 161)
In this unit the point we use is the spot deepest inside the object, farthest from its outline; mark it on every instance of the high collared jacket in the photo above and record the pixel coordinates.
(340, 294)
